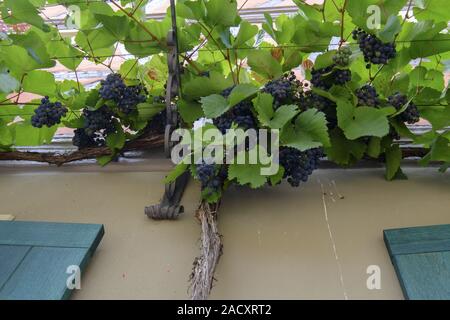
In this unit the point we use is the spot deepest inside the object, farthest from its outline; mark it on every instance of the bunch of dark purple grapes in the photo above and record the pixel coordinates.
(82, 140)
(48, 113)
(298, 165)
(97, 125)
(373, 49)
(284, 90)
(211, 177)
(241, 114)
(367, 96)
(126, 97)
(159, 121)
(326, 77)
(411, 114)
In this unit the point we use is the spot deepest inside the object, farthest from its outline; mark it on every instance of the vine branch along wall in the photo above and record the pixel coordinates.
(328, 83)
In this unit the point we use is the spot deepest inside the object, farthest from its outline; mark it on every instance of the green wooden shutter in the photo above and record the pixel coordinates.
(421, 258)
(34, 257)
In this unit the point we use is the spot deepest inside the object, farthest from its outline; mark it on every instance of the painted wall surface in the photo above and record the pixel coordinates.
(279, 242)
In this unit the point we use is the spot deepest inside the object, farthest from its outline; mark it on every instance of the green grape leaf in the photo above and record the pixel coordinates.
(374, 147)
(179, 169)
(203, 86)
(310, 131)
(343, 151)
(438, 116)
(240, 93)
(440, 149)
(390, 30)
(430, 46)
(263, 104)
(117, 26)
(6, 135)
(129, 69)
(324, 60)
(246, 32)
(7, 82)
(40, 82)
(283, 115)
(18, 60)
(190, 111)
(66, 54)
(358, 122)
(95, 41)
(247, 174)
(276, 178)
(393, 160)
(214, 105)
(432, 10)
(262, 62)
(116, 140)
(24, 11)
(27, 135)
(221, 12)
(146, 111)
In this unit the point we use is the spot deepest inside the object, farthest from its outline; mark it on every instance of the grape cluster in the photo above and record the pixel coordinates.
(83, 140)
(112, 87)
(131, 97)
(241, 114)
(298, 165)
(410, 114)
(97, 125)
(326, 77)
(373, 49)
(98, 120)
(158, 123)
(312, 100)
(127, 97)
(48, 114)
(393, 133)
(285, 90)
(367, 96)
(211, 177)
(342, 57)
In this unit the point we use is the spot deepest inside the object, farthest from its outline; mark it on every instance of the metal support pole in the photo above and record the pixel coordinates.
(170, 207)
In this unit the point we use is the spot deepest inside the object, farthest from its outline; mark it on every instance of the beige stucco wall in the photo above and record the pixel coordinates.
(277, 241)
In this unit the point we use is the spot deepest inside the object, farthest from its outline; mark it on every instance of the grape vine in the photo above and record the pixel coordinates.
(325, 98)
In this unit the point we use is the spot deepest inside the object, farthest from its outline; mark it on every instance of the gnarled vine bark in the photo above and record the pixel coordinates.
(142, 143)
(202, 277)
